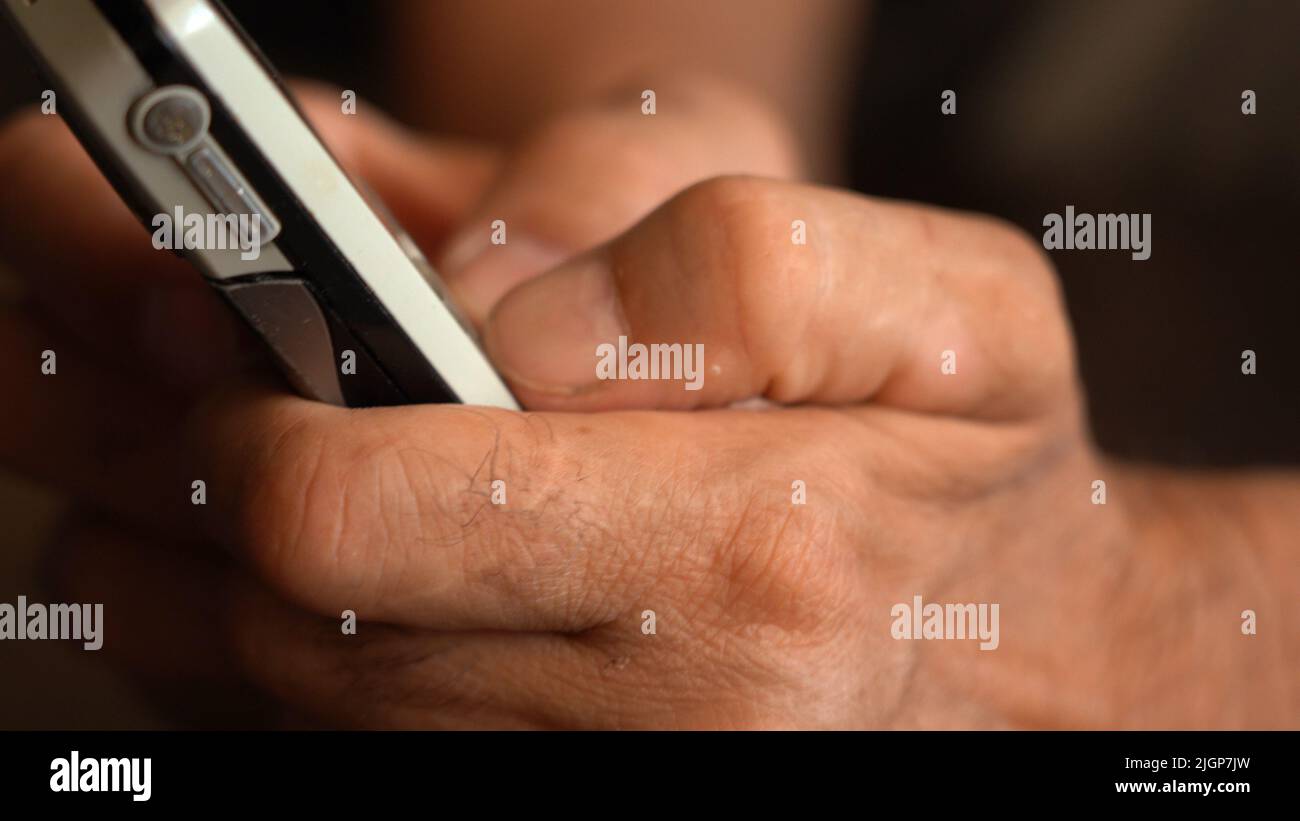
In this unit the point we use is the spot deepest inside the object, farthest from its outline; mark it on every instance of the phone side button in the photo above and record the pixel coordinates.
(285, 314)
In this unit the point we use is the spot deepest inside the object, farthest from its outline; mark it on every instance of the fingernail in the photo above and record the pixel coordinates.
(545, 333)
(480, 272)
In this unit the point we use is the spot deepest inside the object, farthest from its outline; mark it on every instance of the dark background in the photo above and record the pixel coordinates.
(1123, 107)
(1111, 107)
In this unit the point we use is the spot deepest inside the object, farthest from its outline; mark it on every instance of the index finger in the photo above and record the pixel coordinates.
(453, 517)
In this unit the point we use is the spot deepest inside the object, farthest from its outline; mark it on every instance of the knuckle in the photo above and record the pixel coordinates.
(783, 564)
(1024, 260)
(1006, 298)
(735, 233)
(745, 206)
(1028, 294)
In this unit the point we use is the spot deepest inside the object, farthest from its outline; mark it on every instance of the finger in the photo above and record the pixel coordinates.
(457, 518)
(583, 177)
(875, 304)
(375, 676)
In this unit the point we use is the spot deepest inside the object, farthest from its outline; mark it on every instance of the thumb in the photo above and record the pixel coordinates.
(743, 288)
(585, 176)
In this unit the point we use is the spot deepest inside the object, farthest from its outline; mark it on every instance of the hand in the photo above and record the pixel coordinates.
(142, 339)
(966, 487)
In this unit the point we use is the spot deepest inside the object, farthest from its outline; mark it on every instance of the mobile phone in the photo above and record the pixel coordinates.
(184, 116)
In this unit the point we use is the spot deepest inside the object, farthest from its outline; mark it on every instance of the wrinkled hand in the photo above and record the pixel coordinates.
(766, 543)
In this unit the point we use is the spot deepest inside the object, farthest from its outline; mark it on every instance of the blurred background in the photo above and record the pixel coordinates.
(1109, 106)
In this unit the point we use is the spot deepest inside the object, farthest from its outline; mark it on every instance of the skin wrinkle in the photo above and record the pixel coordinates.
(777, 546)
(783, 569)
(814, 588)
(962, 483)
(595, 595)
(584, 614)
(446, 537)
(341, 528)
(634, 563)
(580, 609)
(733, 559)
(697, 483)
(393, 533)
(812, 548)
(286, 548)
(748, 675)
(674, 571)
(533, 422)
(629, 568)
(558, 580)
(342, 513)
